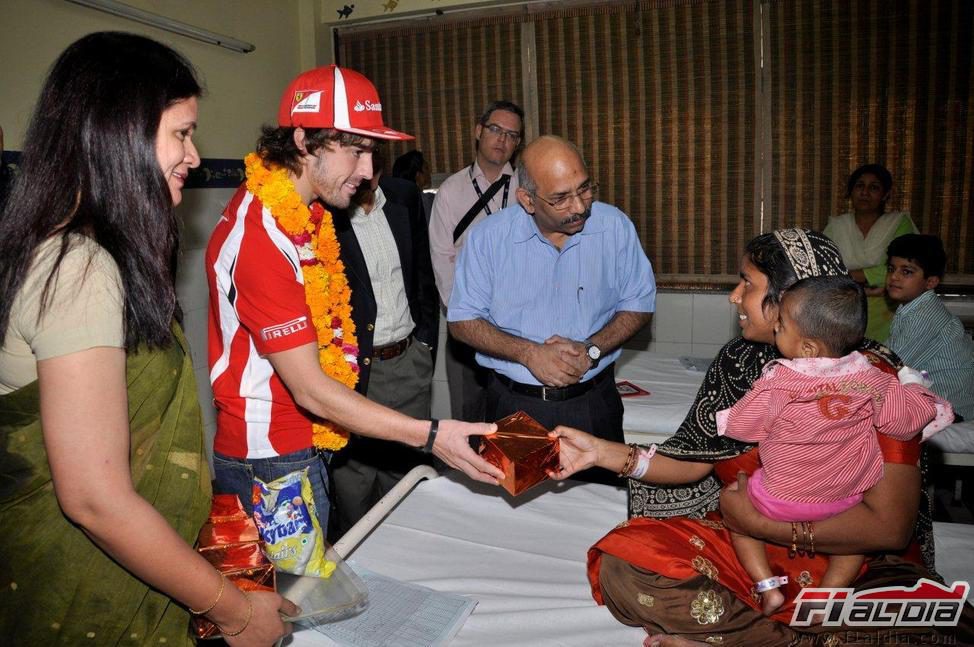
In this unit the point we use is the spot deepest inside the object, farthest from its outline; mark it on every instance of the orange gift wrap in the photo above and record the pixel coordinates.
(522, 449)
(227, 523)
(229, 540)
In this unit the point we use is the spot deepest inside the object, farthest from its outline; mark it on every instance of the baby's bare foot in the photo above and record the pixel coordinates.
(771, 601)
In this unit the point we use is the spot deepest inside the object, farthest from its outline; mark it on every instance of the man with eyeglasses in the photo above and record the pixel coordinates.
(475, 192)
(548, 290)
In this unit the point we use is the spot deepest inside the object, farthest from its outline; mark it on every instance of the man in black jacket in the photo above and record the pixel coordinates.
(395, 307)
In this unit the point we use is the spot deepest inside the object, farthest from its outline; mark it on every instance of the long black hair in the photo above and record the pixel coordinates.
(89, 167)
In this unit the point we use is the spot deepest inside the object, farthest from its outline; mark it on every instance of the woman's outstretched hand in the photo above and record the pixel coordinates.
(578, 451)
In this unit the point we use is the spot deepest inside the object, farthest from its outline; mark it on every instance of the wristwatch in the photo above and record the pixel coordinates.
(594, 352)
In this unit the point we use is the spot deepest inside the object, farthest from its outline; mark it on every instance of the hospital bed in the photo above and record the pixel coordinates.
(523, 559)
(671, 386)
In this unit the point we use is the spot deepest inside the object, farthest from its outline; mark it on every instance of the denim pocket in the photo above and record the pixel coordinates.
(233, 476)
(236, 476)
(275, 469)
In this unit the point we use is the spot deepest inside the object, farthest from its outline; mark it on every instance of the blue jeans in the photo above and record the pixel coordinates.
(236, 476)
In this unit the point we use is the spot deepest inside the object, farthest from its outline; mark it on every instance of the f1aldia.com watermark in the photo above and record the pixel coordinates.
(925, 604)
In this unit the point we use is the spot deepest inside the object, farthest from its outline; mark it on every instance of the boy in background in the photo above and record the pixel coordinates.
(924, 333)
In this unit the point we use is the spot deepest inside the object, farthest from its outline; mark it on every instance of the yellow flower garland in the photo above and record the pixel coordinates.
(325, 286)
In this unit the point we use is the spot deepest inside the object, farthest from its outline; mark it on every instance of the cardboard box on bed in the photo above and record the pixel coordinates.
(230, 542)
(522, 449)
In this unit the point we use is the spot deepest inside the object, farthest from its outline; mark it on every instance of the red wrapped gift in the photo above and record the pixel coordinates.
(227, 523)
(229, 540)
(238, 556)
(522, 449)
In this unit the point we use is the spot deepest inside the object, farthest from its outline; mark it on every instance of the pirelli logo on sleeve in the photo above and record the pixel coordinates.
(284, 329)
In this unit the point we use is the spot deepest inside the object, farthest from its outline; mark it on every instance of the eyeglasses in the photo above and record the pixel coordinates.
(564, 201)
(503, 133)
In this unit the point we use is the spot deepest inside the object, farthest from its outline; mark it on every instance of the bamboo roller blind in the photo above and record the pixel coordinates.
(887, 81)
(435, 81)
(684, 129)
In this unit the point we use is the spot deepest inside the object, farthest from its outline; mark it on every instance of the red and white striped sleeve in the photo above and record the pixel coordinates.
(751, 418)
(908, 409)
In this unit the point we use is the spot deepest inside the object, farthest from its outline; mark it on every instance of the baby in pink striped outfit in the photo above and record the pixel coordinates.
(815, 416)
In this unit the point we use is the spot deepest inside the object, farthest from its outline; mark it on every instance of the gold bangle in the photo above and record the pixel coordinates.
(811, 539)
(794, 541)
(219, 594)
(633, 457)
(630, 461)
(804, 538)
(250, 615)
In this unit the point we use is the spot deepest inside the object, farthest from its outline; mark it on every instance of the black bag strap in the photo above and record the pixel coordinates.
(478, 205)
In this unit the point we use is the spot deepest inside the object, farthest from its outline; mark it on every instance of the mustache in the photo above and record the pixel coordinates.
(577, 217)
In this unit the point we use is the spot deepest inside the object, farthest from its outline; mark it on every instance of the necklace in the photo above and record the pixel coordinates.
(326, 288)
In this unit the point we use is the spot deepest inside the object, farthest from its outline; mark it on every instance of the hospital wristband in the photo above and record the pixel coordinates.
(643, 457)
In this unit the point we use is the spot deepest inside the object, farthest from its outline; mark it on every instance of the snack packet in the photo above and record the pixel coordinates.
(287, 521)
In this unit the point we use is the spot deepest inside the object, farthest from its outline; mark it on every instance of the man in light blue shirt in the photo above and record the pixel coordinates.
(548, 290)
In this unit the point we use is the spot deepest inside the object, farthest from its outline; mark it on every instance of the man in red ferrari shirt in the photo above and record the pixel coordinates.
(268, 385)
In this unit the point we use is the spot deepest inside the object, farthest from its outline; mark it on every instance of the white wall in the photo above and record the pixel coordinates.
(380, 10)
(242, 89)
(200, 212)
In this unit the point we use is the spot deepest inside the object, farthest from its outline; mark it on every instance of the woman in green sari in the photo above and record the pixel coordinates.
(863, 234)
(103, 481)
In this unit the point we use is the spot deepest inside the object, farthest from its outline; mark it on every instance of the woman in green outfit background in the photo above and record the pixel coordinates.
(863, 235)
(103, 481)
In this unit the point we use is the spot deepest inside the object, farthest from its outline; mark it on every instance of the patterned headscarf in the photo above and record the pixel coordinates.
(811, 253)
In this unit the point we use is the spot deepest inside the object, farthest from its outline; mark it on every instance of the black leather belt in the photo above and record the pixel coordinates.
(394, 349)
(554, 393)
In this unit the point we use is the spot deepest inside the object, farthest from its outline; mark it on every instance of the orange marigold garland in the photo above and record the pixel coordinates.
(325, 286)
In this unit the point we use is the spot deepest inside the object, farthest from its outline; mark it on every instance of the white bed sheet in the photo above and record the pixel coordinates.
(672, 389)
(958, 438)
(523, 559)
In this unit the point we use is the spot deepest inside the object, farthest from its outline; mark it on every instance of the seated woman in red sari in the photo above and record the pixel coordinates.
(671, 567)
(815, 416)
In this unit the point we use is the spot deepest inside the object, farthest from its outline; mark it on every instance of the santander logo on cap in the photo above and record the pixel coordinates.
(334, 97)
(368, 105)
